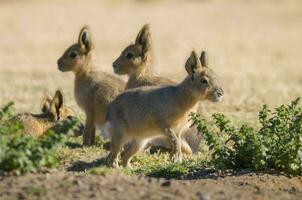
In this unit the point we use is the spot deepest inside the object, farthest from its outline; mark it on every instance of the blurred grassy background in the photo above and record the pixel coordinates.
(254, 46)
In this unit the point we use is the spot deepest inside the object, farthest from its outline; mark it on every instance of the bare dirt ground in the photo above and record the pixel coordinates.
(254, 46)
(204, 185)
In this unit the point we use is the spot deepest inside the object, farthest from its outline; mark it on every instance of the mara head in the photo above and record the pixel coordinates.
(78, 55)
(55, 107)
(202, 79)
(136, 57)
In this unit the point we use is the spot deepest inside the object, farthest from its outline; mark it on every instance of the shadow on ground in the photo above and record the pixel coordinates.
(170, 171)
(80, 166)
(73, 145)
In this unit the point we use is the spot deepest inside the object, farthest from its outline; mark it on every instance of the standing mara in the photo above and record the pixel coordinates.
(94, 90)
(143, 113)
(136, 61)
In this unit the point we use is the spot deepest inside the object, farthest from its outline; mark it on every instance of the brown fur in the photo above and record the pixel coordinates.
(139, 114)
(138, 67)
(136, 62)
(94, 90)
(53, 110)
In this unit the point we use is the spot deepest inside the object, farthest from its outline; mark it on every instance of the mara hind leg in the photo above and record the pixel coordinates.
(174, 140)
(185, 147)
(193, 138)
(118, 140)
(134, 147)
(164, 145)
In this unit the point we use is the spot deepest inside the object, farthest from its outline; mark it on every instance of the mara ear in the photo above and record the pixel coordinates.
(192, 63)
(143, 38)
(45, 104)
(204, 60)
(85, 39)
(56, 104)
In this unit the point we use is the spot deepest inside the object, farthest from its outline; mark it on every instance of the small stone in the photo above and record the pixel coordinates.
(257, 189)
(293, 189)
(262, 179)
(202, 196)
(166, 184)
(119, 189)
(241, 183)
(78, 182)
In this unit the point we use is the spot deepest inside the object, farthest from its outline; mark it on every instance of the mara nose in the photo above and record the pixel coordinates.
(114, 65)
(220, 92)
(60, 65)
(59, 62)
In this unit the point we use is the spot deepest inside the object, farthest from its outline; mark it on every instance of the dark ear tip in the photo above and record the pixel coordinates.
(204, 59)
(203, 55)
(58, 98)
(85, 28)
(194, 54)
(145, 30)
(59, 94)
(146, 27)
(84, 34)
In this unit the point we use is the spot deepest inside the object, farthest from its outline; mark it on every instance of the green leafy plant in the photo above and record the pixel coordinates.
(21, 153)
(276, 144)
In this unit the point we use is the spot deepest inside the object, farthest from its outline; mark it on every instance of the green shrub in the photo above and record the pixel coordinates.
(21, 153)
(276, 144)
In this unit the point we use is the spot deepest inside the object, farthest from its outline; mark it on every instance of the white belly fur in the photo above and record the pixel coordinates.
(105, 130)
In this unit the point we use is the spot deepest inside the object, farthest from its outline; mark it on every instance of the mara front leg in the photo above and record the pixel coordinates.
(89, 132)
(174, 140)
(185, 147)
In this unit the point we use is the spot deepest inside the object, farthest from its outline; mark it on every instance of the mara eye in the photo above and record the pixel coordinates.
(129, 55)
(69, 117)
(72, 55)
(204, 81)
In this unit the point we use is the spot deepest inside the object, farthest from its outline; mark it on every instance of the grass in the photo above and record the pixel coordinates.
(153, 165)
(273, 146)
(160, 166)
(252, 48)
(92, 160)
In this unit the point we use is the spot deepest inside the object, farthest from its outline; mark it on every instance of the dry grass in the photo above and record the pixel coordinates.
(254, 46)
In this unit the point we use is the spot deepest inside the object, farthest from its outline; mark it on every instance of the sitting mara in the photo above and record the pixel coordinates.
(143, 113)
(94, 90)
(53, 110)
